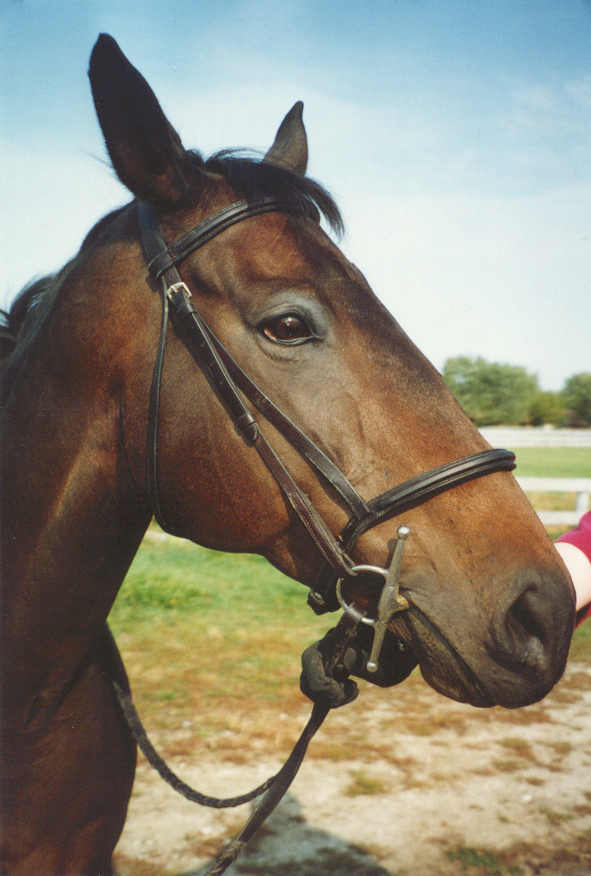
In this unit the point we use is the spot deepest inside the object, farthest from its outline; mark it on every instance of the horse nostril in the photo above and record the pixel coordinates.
(522, 638)
(528, 638)
(526, 615)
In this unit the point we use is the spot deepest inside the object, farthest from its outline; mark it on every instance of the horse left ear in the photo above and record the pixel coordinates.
(145, 150)
(290, 149)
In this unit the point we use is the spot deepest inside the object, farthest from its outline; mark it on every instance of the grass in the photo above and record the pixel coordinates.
(580, 649)
(364, 784)
(482, 862)
(181, 577)
(206, 632)
(554, 462)
(520, 747)
(572, 857)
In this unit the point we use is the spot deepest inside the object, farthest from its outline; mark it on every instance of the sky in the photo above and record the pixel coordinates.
(455, 136)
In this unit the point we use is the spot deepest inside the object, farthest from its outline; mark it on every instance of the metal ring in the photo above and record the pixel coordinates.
(376, 570)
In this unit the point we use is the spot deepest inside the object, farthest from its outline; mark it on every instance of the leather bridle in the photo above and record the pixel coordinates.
(234, 386)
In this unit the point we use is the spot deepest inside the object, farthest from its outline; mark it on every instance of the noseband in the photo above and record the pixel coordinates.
(234, 386)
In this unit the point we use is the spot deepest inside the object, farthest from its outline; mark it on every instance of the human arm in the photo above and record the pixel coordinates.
(575, 549)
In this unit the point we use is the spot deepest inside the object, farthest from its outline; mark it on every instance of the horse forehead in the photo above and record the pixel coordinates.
(277, 246)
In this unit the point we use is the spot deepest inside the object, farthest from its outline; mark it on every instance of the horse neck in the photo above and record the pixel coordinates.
(72, 516)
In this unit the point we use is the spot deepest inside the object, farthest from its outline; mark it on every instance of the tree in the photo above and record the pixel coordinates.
(577, 399)
(547, 407)
(489, 392)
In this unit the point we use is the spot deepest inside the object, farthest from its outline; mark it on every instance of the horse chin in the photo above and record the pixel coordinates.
(448, 672)
(454, 686)
(442, 667)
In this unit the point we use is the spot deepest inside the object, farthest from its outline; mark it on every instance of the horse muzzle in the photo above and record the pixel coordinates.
(519, 656)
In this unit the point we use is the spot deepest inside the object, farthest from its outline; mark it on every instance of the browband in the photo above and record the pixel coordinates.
(164, 259)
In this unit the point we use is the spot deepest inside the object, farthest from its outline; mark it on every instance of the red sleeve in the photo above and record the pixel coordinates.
(581, 538)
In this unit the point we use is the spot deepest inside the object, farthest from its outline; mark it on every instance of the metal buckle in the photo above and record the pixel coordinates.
(390, 599)
(178, 287)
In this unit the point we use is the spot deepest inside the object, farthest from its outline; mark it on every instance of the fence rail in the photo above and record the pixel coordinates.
(580, 486)
(514, 437)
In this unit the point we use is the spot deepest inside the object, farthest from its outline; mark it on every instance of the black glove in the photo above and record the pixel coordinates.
(321, 687)
(395, 663)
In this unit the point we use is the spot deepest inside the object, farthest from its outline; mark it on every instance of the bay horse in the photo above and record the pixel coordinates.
(285, 413)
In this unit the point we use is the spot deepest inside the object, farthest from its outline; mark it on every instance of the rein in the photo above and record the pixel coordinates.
(233, 386)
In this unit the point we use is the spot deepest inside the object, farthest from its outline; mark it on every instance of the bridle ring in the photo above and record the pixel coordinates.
(374, 570)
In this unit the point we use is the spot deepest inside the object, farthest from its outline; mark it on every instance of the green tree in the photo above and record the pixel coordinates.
(491, 393)
(547, 407)
(577, 399)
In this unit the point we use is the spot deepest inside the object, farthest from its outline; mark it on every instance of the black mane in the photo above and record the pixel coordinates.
(18, 327)
(254, 179)
(12, 322)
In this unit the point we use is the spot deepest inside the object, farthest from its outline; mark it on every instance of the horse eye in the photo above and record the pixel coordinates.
(287, 329)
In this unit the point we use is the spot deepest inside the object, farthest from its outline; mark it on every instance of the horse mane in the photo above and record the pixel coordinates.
(254, 179)
(20, 325)
(16, 321)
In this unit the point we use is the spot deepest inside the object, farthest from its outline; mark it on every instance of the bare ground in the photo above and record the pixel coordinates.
(399, 783)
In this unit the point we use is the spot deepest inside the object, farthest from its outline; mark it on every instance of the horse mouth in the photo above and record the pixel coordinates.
(441, 665)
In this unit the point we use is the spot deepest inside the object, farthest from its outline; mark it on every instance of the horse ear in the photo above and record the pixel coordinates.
(145, 150)
(290, 148)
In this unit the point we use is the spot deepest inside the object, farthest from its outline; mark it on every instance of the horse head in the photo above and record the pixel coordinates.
(490, 604)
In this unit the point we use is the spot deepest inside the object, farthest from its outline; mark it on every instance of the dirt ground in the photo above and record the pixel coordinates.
(399, 783)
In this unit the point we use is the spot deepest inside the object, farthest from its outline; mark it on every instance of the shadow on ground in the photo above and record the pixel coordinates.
(286, 844)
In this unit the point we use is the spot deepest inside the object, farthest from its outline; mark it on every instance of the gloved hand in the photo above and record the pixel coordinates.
(324, 688)
(396, 660)
(395, 664)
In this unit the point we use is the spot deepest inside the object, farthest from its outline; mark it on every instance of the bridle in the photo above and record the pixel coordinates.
(234, 386)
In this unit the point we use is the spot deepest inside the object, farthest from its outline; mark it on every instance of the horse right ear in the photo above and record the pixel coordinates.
(145, 150)
(290, 148)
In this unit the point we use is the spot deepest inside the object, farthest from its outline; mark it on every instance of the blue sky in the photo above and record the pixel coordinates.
(456, 137)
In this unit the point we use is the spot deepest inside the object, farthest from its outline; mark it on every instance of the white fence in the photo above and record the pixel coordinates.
(542, 436)
(580, 486)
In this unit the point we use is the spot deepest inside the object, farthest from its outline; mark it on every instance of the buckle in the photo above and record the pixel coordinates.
(176, 288)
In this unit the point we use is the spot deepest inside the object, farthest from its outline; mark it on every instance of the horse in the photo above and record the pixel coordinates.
(285, 413)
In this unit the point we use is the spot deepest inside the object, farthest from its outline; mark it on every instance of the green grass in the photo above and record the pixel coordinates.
(180, 578)
(554, 462)
(580, 648)
(364, 784)
(233, 621)
(482, 862)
